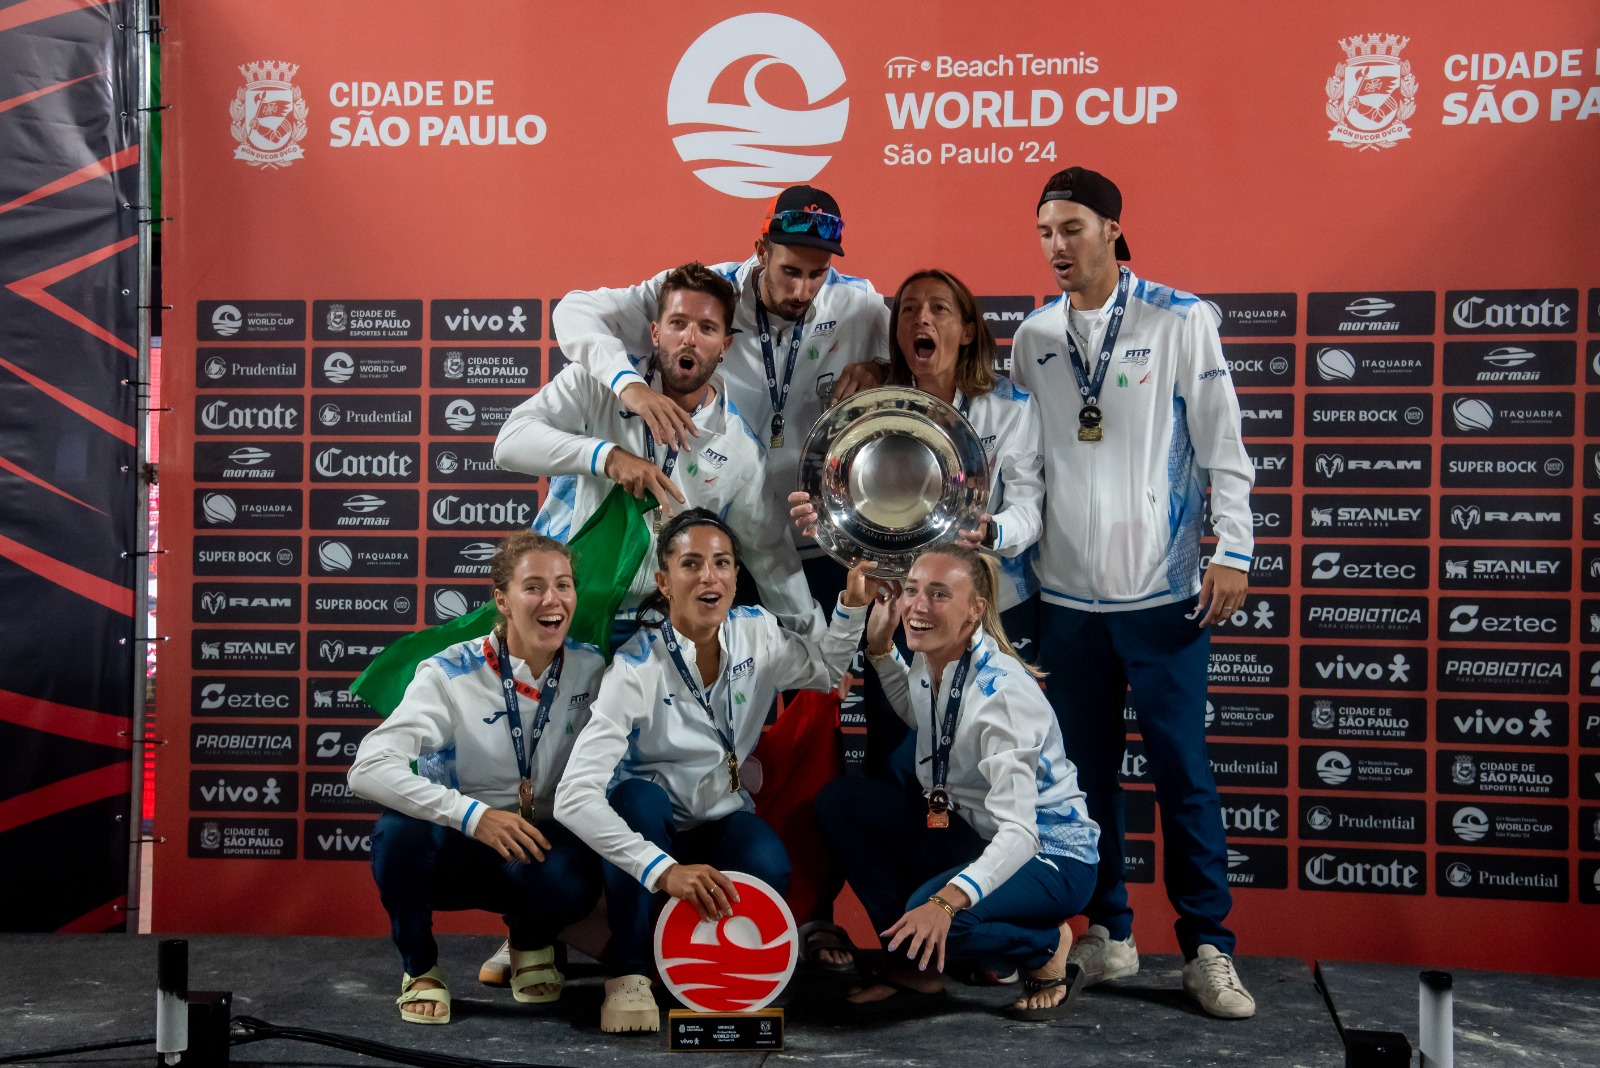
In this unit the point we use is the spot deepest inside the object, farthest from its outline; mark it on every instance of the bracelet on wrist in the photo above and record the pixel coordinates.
(942, 903)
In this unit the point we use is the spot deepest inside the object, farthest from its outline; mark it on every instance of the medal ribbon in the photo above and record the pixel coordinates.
(725, 737)
(547, 695)
(952, 711)
(1087, 390)
(779, 394)
(650, 451)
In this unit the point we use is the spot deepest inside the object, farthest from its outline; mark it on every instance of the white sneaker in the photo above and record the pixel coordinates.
(1102, 957)
(496, 971)
(1211, 980)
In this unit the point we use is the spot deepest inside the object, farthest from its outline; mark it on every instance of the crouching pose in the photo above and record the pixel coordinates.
(996, 851)
(678, 712)
(497, 717)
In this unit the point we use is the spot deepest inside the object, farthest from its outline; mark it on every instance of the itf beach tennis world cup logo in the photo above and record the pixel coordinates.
(1372, 92)
(269, 115)
(758, 143)
(739, 963)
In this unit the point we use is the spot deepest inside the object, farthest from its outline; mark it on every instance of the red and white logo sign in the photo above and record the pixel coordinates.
(737, 964)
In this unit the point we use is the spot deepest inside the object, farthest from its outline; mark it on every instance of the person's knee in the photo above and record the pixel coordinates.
(404, 852)
(642, 804)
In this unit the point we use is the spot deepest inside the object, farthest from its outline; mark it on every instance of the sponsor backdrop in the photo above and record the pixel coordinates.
(69, 497)
(373, 221)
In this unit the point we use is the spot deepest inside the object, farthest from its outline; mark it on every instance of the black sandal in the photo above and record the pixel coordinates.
(820, 935)
(1072, 980)
(906, 1003)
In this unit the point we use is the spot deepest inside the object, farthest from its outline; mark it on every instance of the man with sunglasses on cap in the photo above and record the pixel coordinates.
(1146, 414)
(803, 334)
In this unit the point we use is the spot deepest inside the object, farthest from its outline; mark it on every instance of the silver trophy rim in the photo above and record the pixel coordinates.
(929, 432)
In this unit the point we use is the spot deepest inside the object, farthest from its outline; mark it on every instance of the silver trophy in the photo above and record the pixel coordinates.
(892, 471)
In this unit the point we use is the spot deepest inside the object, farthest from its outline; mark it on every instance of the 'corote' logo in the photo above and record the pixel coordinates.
(269, 115)
(751, 140)
(1371, 93)
(738, 963)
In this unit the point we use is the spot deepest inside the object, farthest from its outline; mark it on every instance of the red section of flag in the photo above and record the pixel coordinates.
(34, 10)
(37, 481)
(66, 721)
(100, 419)
(117, 598)
(91, 786)
(18, 101)
(33, 287)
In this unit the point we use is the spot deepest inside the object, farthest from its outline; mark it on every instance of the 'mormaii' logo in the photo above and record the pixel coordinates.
(737, 963)
(752, 143)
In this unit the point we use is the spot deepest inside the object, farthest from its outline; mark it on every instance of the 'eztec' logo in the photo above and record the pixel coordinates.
(1383, 415)
(1504, 619)
(243, 696)
(1511, 311)
(1365, 566)
(753, 139)
(736, 963)
(333, 743)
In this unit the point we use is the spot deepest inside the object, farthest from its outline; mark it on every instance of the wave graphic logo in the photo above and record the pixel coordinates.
(738, 963)
(752, 138)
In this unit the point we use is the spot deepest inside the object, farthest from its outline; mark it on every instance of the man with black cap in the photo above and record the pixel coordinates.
(1147, 414)
(803, 332)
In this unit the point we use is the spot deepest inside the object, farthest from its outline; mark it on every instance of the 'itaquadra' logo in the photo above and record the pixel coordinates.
(755, 141)
(736, 964)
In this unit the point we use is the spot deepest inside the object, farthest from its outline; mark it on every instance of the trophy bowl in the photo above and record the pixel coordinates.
(892, 471)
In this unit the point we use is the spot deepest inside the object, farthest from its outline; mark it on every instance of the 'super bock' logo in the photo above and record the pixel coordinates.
(739, 963)
(753, 138)
(1372, 93)
(269, 115)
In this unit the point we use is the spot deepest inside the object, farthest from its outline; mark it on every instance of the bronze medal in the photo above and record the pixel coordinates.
(938, 809)
(1089, 417)
(733, 773)
(525, 800)
(777, 430)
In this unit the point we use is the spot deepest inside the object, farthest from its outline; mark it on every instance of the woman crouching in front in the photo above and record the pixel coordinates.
(500, 714)
(678, 712)
(996, 851)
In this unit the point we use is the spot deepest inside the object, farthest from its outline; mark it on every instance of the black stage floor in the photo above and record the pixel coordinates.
(59, 990)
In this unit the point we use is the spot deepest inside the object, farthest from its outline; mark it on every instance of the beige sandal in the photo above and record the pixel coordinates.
(532, 967)
(410, 995)
(629, 1005)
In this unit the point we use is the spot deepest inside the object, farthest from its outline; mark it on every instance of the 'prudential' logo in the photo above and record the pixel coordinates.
(753, 138)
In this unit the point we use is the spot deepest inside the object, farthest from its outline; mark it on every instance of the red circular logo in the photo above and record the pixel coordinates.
(736, 964)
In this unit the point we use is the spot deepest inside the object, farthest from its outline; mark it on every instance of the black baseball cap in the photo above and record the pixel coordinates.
(804, 215)
(1091, 189)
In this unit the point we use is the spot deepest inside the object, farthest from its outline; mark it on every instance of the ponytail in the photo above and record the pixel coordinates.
(984, 571)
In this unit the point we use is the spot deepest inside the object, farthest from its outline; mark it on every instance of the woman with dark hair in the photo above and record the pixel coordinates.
(940, 344)
(994, 853)
(654, 784)
(496, 716)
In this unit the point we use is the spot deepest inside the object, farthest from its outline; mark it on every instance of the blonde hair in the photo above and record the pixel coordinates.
(984, 571)
(509, 553)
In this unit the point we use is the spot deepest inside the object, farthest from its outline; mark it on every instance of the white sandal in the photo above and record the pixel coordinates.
(532, 967)
(409, 995)
(496, 971)
(629, 1005)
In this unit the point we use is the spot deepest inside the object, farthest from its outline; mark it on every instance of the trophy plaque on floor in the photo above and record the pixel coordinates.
(728, 971)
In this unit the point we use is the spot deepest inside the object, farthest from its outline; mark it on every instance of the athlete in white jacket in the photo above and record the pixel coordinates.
(576, 430)
(996, 851)
(484, 837)
(802, 331)
(1142, 412)
(655, 778)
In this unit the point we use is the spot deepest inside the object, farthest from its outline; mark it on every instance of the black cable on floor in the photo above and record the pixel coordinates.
(250, 1029)
(67, 1051)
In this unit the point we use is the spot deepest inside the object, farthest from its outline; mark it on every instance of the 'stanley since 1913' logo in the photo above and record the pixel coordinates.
(1372, 92)
(756, 142)
(269, 115)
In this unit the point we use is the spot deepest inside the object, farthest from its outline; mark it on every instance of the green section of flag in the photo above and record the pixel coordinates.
(607, 553)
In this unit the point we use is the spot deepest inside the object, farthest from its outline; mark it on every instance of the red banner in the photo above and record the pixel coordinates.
(1390, 212)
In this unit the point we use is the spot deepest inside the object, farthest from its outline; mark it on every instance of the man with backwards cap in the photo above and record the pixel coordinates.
(802, 332)
(1146, 413)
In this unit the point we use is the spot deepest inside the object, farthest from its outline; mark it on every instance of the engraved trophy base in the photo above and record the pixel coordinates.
(724, 1032)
